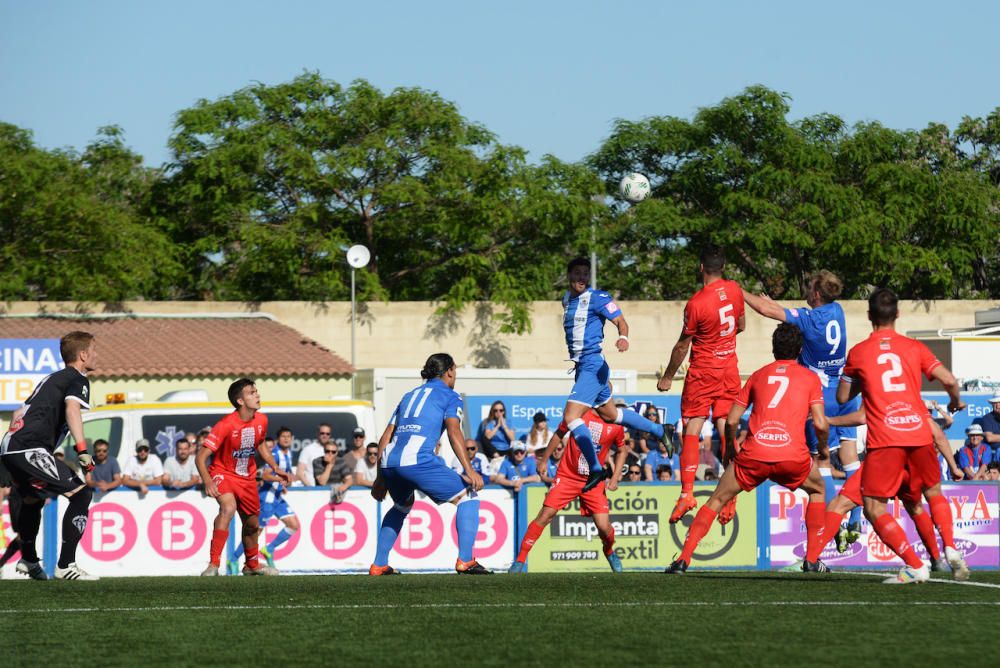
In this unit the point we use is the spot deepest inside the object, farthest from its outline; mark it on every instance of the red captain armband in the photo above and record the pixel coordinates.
(80, 447)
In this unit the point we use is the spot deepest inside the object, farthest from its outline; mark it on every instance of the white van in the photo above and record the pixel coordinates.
(164, 422)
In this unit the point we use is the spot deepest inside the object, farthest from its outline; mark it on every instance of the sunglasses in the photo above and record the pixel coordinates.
(330, 452)
(519, 452)
(325, 433)
(634, 472)
(499, 410)
(371, 454)
(471, 449)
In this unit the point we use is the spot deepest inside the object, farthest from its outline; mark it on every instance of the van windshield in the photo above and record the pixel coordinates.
(163, 431)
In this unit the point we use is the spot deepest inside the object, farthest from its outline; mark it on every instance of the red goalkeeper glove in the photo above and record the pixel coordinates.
(84, 457)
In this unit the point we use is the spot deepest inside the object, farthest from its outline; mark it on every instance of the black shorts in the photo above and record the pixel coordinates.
(36, 473)
(5, 479)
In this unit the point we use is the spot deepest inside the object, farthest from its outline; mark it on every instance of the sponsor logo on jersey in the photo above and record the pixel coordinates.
(611, 307)
(794, 312)
(772, 436)
(901, 417)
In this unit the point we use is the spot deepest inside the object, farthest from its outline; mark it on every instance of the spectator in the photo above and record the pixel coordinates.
(517, 468)
(106, 475)
(975, 456)
(990, 423)
(633, 473)
(993, 471)
(664, 472)
(539, 435)
(632, 457)
(356, 450)
(202, 435)
(710, 474)
(192, 440)
(944, 418)
(658, 457)
(495, 436)
(333, 471)
(480, 464)
(313, 452)
(644, 441)
(366, 470)
(179, 471)
(547, 468)
(142, 471)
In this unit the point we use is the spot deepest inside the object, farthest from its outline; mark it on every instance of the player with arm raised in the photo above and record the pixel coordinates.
(407, 463)
(36, 429)
(570, 478)
(824, 352)
(585, 311)
(712, 319)
(783, 395)
(885, 369)
(232, 478)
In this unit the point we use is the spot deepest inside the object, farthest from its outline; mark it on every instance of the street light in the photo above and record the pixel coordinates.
(358, 257)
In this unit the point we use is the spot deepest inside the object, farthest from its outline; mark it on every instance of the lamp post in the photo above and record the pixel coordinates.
(358, 257)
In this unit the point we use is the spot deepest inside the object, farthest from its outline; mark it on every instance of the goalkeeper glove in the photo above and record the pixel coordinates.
(84, 457)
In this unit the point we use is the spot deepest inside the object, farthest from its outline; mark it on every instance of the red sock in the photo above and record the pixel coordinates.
(609, 542)
(530, 536)
(893, 536)
(219, 538)
(925, 529)
(815, 514)
(941, 514)
(689, 462)
(702, 523)
(251, 556)
(831, 525)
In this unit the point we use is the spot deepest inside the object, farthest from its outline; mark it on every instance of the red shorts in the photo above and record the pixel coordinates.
(907, 493)
(244, 489)
(750, 473)
(564, 490)
(897, 470)
(709, 391)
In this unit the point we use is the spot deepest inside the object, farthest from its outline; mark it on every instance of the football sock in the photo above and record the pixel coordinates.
(633, 420)
(895, 538)
(467, 526)
(28, 521)
(279, 540)
(238, 552)
(73, 525)
(854, 519)
(815, 514)
(925, 529)
(689, 462)
(702, 523)
(219, 538)
(831, 525)
(941, 515)
(530, 536)
(12, 547)
(830, 488)
(387, 535)
(581, 434)
(253, 553)
(609, 542)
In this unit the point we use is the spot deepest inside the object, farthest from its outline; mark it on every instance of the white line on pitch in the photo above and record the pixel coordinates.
(967, 583)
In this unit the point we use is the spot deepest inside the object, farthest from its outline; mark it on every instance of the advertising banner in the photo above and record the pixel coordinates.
(24, 362)
(644, 539)
(974, 512)
(522, 408)
(428, 540)
(977, 405)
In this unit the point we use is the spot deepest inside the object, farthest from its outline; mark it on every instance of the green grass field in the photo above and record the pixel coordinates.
(730, 619)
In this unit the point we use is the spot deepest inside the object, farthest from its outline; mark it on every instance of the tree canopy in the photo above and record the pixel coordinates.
(269, 185)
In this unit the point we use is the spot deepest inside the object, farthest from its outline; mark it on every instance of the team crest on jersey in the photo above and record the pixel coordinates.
(884, 344)
(794, 312)
(722, 295)
(85, 392)
(43, 461)
(611, 307)
(781, 369)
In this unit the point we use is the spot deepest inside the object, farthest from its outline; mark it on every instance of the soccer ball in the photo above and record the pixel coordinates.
(634, 187)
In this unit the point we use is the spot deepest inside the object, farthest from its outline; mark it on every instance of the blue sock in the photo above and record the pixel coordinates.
(238, 552)
(830, 487)
(387, 535)
(583, 441)
(633, 420)
(467, 526)
(282, 536)
(854, 519)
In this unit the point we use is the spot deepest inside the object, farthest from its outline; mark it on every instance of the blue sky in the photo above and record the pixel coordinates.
(548, 76)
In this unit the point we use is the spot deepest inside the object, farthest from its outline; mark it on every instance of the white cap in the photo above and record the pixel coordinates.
(995, 398)
(974, 429)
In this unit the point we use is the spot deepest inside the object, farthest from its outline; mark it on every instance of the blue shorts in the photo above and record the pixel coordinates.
(278, 508)
(833, 409)
(434, 479)
(591, 386)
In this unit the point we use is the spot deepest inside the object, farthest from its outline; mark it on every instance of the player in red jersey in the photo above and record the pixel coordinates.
(232, 478)
(783, 395)
(712, 319)
(909, 493)
(571, 476)
(885, 369)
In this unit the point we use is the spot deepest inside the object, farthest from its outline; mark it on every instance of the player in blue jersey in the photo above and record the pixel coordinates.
(272, 501)
(407, 463)
(585, 311)
(824, 352)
